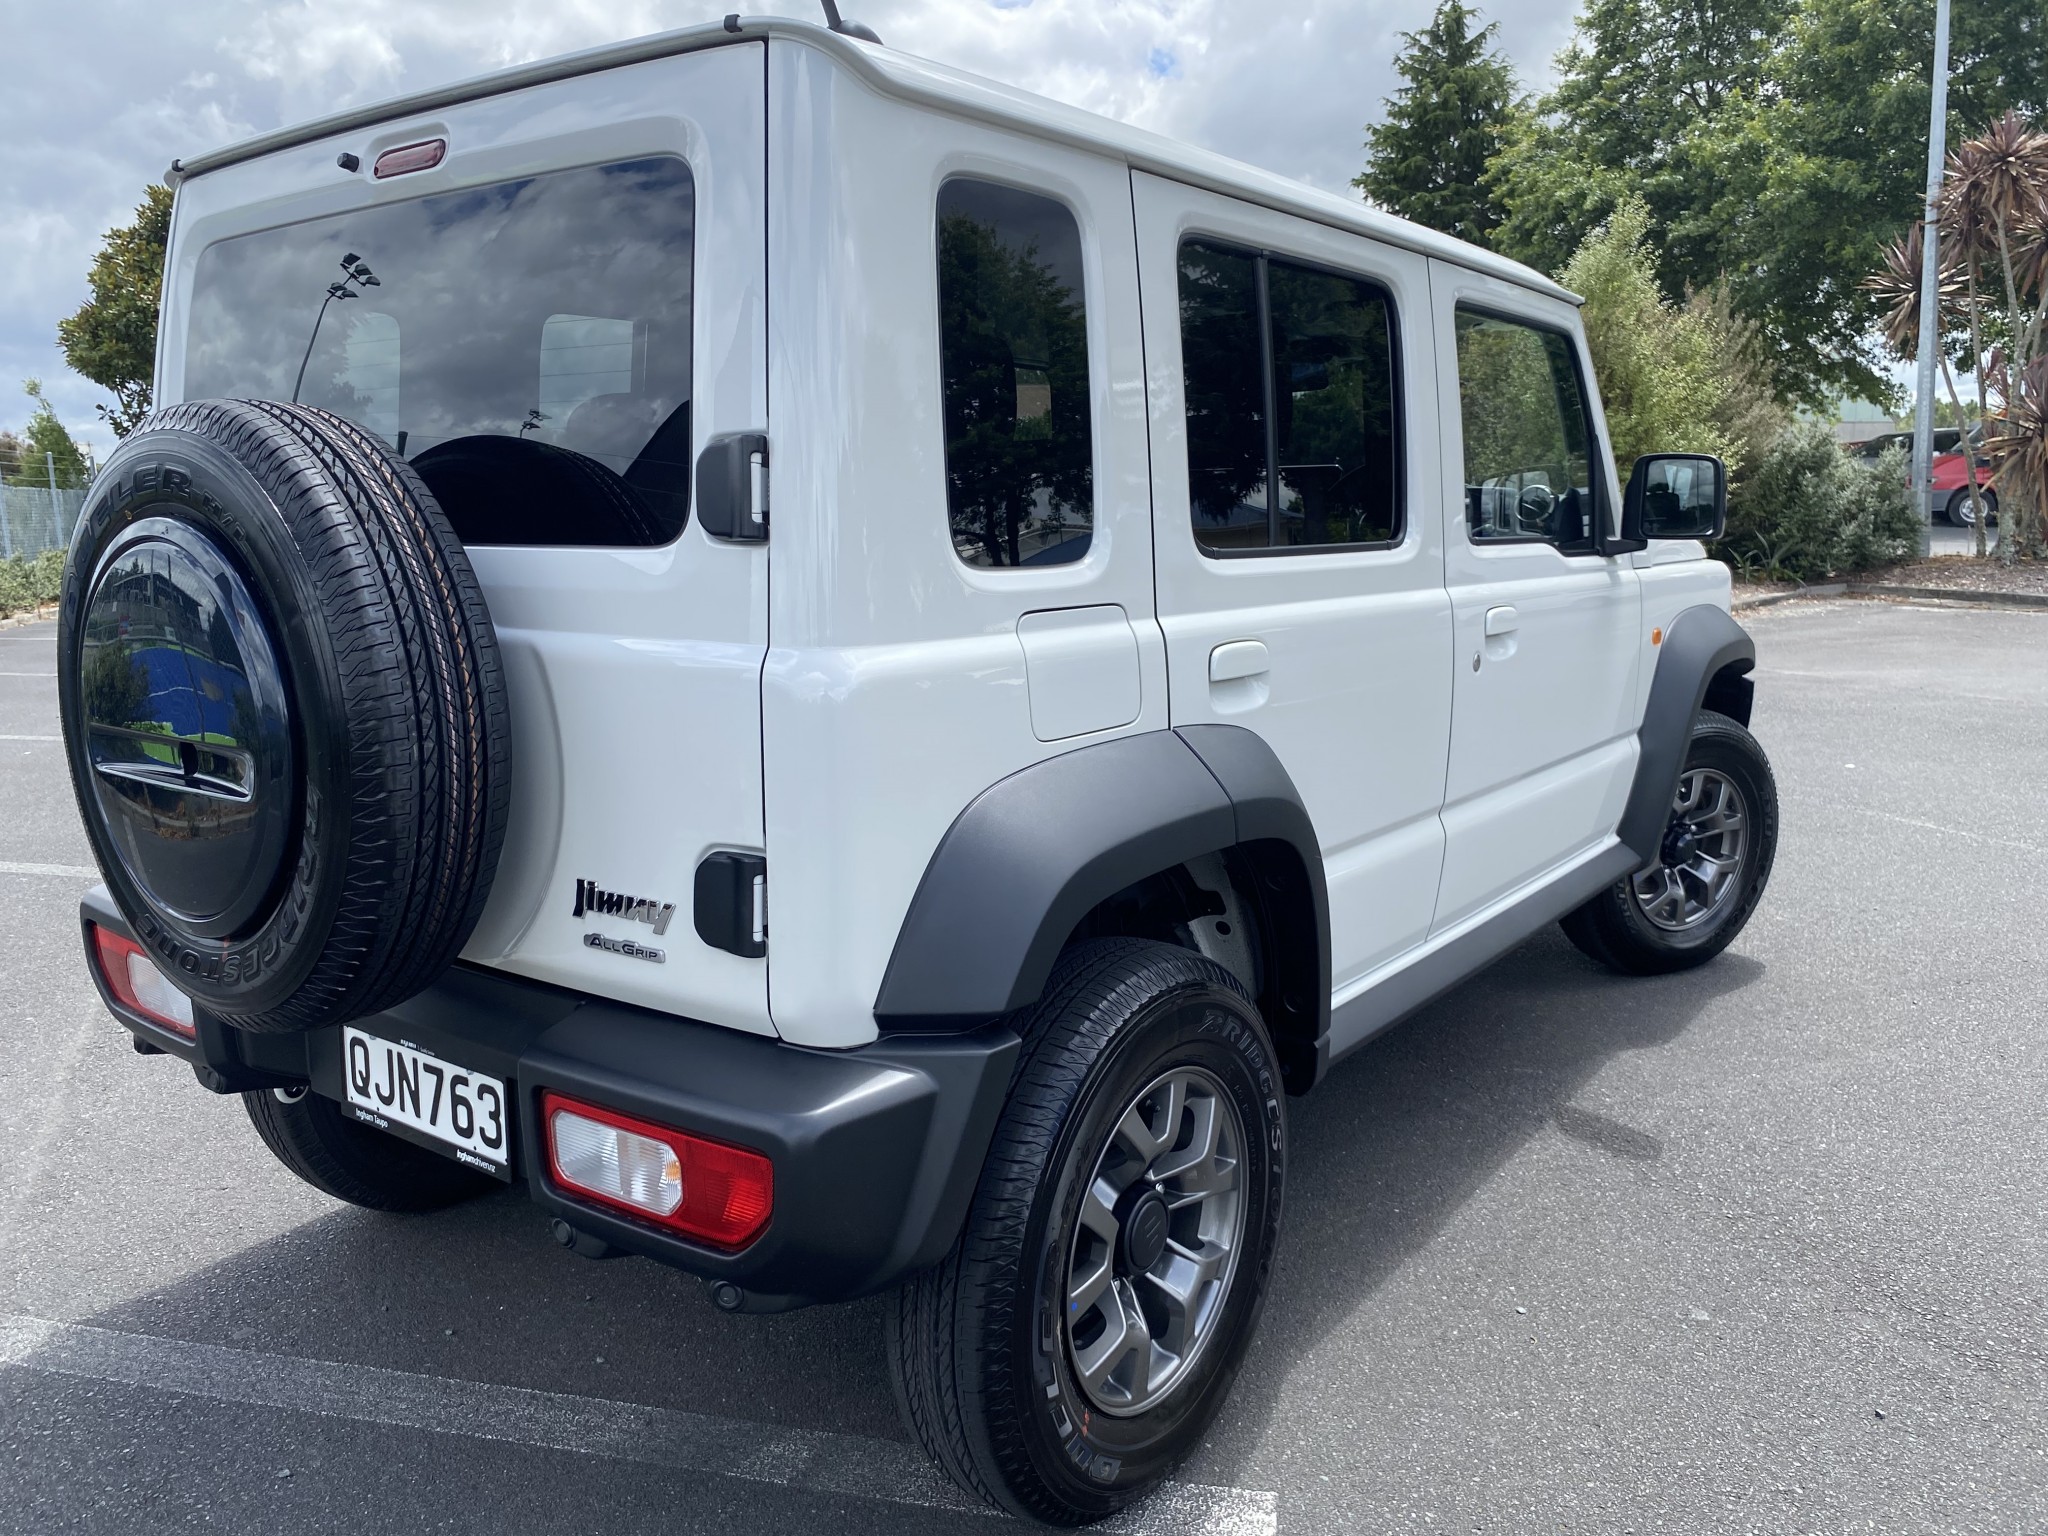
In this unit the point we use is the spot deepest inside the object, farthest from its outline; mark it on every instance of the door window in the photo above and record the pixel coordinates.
(1528, 440)
(1290, 382)
(1013, 337)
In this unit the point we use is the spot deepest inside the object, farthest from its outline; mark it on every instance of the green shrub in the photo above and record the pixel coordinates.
(27, 580)
(1809, 511)
(46, 575)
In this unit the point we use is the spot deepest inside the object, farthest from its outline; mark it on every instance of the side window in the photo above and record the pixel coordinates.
(1013, 338)
(1528, 441)
(1221, 337)
(585, 358)
(1290, 382)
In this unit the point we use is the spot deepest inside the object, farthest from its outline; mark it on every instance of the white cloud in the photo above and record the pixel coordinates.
(1286, 87)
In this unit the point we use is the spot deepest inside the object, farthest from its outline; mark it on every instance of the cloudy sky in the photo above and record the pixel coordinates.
(101, 94)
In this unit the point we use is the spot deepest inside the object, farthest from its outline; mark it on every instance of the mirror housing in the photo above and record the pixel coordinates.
(1675, 496)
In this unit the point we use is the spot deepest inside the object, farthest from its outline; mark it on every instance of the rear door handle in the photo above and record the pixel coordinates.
(1238, 658)
(1501, 621)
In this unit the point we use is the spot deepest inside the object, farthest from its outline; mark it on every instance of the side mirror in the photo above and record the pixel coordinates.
(1675, 496)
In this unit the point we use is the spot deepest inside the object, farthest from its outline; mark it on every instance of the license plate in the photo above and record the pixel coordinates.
(388, 1082)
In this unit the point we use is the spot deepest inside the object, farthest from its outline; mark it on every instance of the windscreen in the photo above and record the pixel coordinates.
(525, 345)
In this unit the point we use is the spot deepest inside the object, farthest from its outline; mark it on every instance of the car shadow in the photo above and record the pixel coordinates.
(1399, 1136)
(1384, 1153)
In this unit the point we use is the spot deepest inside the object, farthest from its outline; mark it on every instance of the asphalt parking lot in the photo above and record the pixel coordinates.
(1758, 1248)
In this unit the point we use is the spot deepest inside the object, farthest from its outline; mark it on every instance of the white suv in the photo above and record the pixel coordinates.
(852, 676)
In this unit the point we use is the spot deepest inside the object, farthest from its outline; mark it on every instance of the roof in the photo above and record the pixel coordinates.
(924, 83)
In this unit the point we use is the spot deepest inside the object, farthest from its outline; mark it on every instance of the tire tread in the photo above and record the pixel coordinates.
(952, 1379)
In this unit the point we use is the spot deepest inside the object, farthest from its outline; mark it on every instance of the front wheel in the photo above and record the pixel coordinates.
(1086, 1327)
(1710, 869)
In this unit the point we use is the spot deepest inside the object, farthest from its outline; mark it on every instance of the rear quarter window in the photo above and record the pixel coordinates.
(1013, 337)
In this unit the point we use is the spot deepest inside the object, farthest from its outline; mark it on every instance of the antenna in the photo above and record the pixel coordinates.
(847, 28)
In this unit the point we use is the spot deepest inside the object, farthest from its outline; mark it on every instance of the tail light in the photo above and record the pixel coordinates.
(134, 979)
(703, 1189)
(423, 156)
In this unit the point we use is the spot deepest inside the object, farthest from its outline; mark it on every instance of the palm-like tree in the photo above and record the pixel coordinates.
(2019, 446)
(1897, 285)
(1995, 208)
(1993, 228)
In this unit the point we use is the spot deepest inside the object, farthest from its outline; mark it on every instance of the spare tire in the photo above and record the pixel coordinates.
(284, 712)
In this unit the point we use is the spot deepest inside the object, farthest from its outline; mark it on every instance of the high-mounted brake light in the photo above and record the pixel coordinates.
(134, 978)
(423, 156)
(707, 1190)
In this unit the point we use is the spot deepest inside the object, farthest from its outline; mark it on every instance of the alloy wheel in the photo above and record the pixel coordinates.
(1156, 1242)
(1697, 874)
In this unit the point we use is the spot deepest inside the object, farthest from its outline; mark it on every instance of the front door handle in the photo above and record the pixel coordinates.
(1501, 621)
(1239, 658)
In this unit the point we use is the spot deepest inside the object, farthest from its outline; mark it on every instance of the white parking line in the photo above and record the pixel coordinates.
(57, 871)
(51, 676)
(1933, 826)
(811, 1461)
(30, 738)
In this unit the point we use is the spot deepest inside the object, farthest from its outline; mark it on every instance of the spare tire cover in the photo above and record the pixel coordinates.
(283, 710)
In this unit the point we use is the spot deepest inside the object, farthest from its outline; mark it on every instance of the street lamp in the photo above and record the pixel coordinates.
(1930, 286)
(356, 274)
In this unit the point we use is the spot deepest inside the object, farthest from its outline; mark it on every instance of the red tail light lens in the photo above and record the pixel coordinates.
(423, 156)
(135, 979)
(707, 1190)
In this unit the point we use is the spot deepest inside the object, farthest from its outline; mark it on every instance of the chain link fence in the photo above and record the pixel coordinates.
(34, 518)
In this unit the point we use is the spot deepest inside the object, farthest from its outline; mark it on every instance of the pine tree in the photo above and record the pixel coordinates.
(47, 447)
(1427, 160)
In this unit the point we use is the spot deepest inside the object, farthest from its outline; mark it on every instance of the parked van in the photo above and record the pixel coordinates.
(852, 676)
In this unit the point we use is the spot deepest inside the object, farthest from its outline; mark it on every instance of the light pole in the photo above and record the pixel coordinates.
(354, 271)
(1930, 285)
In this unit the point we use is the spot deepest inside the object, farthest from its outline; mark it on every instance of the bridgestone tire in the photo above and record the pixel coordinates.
(284, 712)
(315, 1139)
(979, 1351)
(1612, 927)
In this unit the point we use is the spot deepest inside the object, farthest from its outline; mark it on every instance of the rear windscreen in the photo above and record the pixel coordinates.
(525, 345)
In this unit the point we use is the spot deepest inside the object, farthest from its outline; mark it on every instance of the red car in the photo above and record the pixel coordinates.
(1951, 487)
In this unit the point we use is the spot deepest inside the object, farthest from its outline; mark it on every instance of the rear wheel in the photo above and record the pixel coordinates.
(316, 1139)
(1073, 1347)
(1963, 515)
(1711, 868)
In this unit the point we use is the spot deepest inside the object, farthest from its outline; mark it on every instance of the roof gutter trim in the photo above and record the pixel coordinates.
(857, 57)
(639, 50)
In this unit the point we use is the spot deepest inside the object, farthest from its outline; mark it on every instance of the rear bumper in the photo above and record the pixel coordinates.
(876, 1151)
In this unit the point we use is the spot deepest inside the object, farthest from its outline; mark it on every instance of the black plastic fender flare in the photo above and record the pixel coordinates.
(1701, 645)
(1031, 855)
